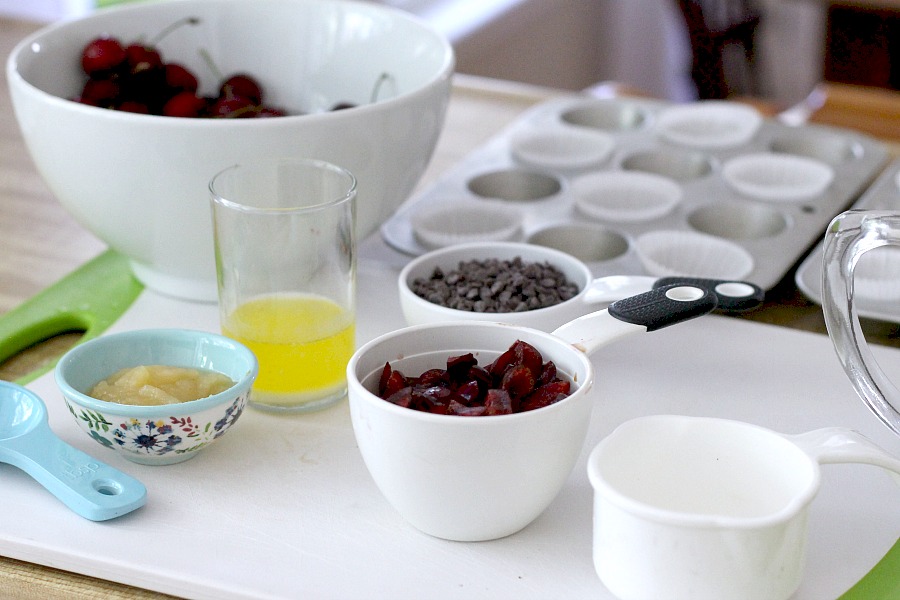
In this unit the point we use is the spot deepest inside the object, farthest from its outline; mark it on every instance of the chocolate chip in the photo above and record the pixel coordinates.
(496, 286)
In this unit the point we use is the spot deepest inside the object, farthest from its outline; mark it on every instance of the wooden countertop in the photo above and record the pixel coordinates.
(40, 242)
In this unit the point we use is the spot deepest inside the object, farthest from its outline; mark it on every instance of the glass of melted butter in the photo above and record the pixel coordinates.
(285, 247)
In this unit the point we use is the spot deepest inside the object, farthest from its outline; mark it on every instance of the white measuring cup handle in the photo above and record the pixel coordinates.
(649, 311)
(837, 445)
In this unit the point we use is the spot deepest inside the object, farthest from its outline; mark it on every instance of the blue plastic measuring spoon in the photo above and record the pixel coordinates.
(91, 488)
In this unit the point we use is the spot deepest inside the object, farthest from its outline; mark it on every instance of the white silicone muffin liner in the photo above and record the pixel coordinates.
(876, 289)
(774, 233)
(877, 275)
(562, 147)
(625, 196)
(446, 224)
(778, 177)
(667, 253)
(709, 124)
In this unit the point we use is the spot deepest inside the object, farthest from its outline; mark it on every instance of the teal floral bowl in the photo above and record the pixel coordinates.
(163, 434)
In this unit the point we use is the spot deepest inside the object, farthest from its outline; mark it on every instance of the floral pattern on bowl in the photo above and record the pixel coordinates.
(164, 440)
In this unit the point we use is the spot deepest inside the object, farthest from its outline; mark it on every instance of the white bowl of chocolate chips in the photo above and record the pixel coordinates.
(528, 285)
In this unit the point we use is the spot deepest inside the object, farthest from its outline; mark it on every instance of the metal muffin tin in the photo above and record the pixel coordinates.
(884, 194)
(774, 233)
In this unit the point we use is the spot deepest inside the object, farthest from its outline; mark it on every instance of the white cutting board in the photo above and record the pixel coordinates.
(283, 507)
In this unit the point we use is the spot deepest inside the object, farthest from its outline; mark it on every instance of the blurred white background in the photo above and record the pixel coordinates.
(573, 44)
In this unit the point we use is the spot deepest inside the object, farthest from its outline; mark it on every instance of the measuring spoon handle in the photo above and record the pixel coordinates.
(89, 487)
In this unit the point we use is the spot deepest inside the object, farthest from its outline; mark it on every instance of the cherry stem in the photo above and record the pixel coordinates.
(170, 28)
(211, 64)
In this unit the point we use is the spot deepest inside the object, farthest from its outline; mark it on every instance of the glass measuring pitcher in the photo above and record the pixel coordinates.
(849, 236)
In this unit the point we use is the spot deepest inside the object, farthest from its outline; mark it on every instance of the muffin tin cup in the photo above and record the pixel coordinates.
(557, 209)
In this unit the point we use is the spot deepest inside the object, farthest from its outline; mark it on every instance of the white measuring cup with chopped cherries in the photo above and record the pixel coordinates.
(529, 285)
(477, 461)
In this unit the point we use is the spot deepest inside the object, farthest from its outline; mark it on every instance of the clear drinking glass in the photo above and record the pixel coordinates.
(285, 248)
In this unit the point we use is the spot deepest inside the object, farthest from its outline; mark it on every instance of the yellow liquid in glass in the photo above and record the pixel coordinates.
(302, 343)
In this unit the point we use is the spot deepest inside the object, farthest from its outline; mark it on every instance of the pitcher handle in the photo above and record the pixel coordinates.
(849, 236)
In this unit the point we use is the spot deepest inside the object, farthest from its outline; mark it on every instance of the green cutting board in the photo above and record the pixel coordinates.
(882, 582)
(86, 302)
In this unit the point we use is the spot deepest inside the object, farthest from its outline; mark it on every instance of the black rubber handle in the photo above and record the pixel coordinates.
(665, 306)
(733, 295)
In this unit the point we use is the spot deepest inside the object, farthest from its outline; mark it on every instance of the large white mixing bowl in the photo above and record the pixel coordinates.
(139, 182)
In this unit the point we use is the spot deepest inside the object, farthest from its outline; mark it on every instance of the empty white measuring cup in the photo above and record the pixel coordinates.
(703, 508)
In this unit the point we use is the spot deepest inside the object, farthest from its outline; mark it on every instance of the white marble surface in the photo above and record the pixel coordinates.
(282, 507)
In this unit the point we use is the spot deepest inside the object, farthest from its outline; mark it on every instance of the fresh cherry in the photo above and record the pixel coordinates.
(101, 92)
(242, 85)
(232, 107)
(268, 111)
(185, 104)
(142, 58)
(133, 106)
(101, 55)
(178, 77)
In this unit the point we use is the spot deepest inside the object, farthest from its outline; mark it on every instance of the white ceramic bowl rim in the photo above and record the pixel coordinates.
(699, 521)
(83, 351)
(53, 29)
(355, 379)
(534, 253)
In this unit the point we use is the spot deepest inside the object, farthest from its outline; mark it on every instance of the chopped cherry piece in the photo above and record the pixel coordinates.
(498, 402)
(502, 363)
(457, 408)
(545, 395)
(430, 398)
(548, 374)
(458, 366)
(479, 374)
(433, 377)
(469, 392)
(391, 381)
(402, 397)
(527, 355)
(517, 381)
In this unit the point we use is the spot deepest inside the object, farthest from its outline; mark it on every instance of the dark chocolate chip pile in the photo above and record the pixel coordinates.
(496, 286)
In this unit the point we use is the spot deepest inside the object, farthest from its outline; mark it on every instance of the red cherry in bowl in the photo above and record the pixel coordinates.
(178, 77)
(142, 58)
(102, 54)
(242, 85)
(232, 107)
(185, 104)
